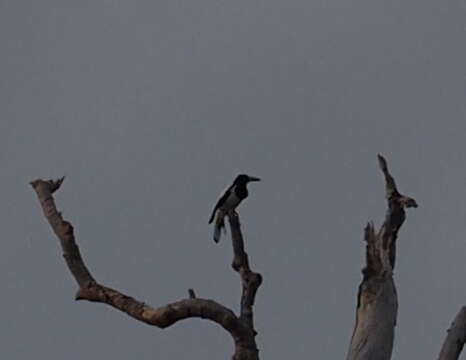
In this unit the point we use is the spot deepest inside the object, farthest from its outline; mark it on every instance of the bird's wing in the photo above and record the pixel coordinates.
(220, 202)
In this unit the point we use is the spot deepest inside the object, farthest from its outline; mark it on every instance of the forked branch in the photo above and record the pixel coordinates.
(240, 328)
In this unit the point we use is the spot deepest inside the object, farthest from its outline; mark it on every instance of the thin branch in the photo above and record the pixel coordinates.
(456, 338)
(162, 317)
(250, 281)
(377, 298)
(395, 217)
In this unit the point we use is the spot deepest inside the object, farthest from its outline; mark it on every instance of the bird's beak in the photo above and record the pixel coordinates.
(252, 178)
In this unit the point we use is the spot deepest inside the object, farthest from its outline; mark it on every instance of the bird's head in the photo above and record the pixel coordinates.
(243, 179)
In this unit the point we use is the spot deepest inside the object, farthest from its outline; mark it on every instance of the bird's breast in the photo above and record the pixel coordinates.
(231, 202)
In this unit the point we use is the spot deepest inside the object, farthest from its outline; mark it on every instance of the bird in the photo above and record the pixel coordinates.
(229, 201)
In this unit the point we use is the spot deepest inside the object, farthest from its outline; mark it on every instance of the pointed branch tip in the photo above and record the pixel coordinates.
(382, 162)
(55, 184)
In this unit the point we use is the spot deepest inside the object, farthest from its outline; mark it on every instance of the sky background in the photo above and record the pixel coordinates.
(151, 108)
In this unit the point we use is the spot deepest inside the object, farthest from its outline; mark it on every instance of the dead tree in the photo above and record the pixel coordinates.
(240, 327)
(377, 298)
(377, 303)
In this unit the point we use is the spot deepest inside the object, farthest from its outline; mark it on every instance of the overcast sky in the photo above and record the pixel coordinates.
(150, 108)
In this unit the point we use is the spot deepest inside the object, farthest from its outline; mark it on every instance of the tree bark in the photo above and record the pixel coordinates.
(377, 304)
(456, 338)
(241, 328)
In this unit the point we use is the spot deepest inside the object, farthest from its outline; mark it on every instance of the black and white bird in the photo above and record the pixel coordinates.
(229, 201)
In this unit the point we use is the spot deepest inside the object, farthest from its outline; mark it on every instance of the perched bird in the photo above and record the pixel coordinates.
(229, 201)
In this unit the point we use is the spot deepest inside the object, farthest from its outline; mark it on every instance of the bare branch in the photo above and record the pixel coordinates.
(63, 230)
(250, 282)
(390, 185)
(162, 317)
(377, 298)
(456, 338)
(391, 189)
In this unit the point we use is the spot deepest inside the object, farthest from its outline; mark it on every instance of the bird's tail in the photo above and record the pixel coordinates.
(219, 227)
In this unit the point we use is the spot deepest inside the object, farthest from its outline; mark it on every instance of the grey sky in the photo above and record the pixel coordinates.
(151, 107)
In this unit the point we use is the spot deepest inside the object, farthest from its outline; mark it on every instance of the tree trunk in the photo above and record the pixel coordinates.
(377, 305)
